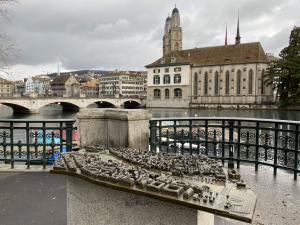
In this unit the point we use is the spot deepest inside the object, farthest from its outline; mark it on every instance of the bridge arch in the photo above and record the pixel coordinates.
(66, 105)
(103, 104)
(131, 104)
(17, 109)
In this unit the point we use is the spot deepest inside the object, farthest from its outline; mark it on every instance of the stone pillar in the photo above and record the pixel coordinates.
(114, 128)
(96, 205)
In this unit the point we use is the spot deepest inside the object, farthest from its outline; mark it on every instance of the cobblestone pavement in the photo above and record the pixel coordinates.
(40, 198)
(32, 198)
(278, 197)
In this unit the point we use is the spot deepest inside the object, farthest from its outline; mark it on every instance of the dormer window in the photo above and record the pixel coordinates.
(173, 59)
(162, 61)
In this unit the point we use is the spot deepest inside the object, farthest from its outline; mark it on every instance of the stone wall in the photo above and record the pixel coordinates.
(114, 128)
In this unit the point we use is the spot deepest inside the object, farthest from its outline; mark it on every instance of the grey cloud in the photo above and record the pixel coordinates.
(128, 34)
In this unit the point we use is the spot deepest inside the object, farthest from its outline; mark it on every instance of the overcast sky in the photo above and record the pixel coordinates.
(127, 34)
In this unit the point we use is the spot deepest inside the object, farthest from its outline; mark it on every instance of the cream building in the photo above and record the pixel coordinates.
(219, 76)
(123, 84)
(6, 88)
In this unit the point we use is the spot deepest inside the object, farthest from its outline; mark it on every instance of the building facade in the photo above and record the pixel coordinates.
(218, 76)
(38, 85)
(66, 85)
(123, 84)
(91, 88)
(6, 88)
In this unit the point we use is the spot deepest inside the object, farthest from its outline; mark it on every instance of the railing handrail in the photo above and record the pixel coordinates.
(228, 119)
(37, 120)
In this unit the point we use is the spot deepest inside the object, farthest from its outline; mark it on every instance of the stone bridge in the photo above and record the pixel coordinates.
(33, 105)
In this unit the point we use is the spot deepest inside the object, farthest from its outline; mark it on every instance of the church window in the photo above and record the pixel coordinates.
(195, 84)
(227, 82)
(156, 79)
(167, 93)
(206, 83)
(216, 83)
(156, 93)
(166, 79)
(177, 93)
(238, 82)
(262, 82)
(250, 85)
(177, 79)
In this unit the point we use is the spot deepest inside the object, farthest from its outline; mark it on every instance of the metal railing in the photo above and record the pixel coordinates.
(259, 141)
(35, 141)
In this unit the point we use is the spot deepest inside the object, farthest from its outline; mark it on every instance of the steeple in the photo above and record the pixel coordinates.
(226, 35)
(58, 72)
(238, 37)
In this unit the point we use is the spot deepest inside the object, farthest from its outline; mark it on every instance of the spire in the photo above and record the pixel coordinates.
(58, 72)
(226, 35)
(238, 37)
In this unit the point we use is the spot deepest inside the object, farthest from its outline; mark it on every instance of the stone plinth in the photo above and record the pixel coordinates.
(114, 128)
(95, 205)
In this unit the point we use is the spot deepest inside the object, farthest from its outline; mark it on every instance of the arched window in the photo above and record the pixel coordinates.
(250, 84)
(216, 83)
(177, 93)
(227, 83)
(238, 82)
(262, 82)
(156, 93)
(156, 79)
(195, 84)
(167, 93)
(206, 83)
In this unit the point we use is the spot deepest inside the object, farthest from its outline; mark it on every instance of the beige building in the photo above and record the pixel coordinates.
(66, 85)
(219, 76)
(6, 88)
(91, 88)
(123, 84)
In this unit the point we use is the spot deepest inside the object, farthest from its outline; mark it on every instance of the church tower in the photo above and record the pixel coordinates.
(166, 38)
(172, 40)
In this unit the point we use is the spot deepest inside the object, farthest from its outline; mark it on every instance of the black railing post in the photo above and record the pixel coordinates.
(231, 146)
(275, 149)
(69, 136)
(296, 152)
(28, 146)
(239, 145)
(223, 142)
(44, 146)
(12, 145)
(153, 131)
(257, 145)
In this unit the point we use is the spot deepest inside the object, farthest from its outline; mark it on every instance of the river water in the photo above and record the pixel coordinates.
(55, 112)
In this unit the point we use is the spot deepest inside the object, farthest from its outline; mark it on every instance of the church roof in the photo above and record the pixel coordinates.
(62, 79)
(217, 55)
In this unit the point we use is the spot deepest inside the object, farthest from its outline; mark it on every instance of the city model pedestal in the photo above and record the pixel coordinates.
(90, 204)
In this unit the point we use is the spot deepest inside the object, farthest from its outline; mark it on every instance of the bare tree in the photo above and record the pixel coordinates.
(8, 52)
